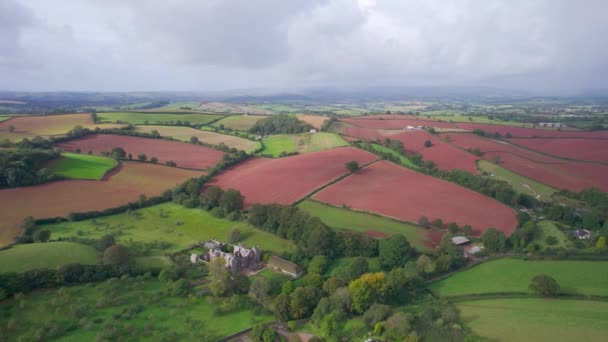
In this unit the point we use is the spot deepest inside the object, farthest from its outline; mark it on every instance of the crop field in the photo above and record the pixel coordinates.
(286, 180)
(82, 166)
(558, 173)
(373, 225)
(541, 320)
(45, 255)
(361, 132)
(46, 126)
(125, 184)
(138, 118)
(158, 317)
(396, 122)
(302, 143)
(578, 149)
(404, 160)
(394, 191)
(519, 183)
(316, 121)
(514, 275)
(185, 133)
(529, 132)
(238, 122)
(185, 155)
(168, 222)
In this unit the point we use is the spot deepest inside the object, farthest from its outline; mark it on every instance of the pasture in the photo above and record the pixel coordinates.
(82, 166)
(402, 159)
(185, 133)
(185, 155)
(168, 222)
(286, 180)
(132, 307)
(393, 191)
(374, 225)
(60, 198)
(145, 118)
(20, 258)
(514, 275)
(549, 228)
(47, 125)
(302, 143)
(519, 183)
(238, 122)
(531, 319)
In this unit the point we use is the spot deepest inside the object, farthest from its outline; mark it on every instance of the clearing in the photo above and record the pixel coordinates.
(82, 166)
(20, 258)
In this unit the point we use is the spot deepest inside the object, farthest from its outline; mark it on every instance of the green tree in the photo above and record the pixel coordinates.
(428, 143)
(282, 307)
(259, 290)
(332, 325)
(169, 274)
(194, 140)
(219, 277)
(235, 235)
(142, 157)
(376, 313)
(116, 255)
(153, 160)
(544, 285)
(180, 288)
(318, 264)
(494, 240)
(231, 201)
(118, 153)
(423, 221)
(210, 198)
(352, 166)
(425, 265)
(398, 326)
(261, 333)
(601, 243)
(369, 288)
(393, 251)
(303, 301)
(104, 242)
(42, 235)
(357, 267)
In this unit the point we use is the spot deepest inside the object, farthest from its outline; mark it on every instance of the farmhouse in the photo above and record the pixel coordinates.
(312, 130)
(460, 240)
(472, 250)
(581, 234)
(287, 267)
(238, 258)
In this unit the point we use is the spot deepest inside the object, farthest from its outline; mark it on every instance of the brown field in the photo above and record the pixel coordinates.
(185, 155)
(63, 197)
(185, 133)
(387, 189)
(239, 122)
(47, 125)
(578, 149)
(315, 121)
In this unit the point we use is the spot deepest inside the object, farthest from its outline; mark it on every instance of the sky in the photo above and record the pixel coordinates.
(549, 46)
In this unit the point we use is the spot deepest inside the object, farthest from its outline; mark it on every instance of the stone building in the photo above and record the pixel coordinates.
(237, 258)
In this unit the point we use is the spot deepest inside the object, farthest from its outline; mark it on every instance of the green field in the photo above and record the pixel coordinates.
(82, 166)
(178, 225)
(459, 116)
(301, 143)
(45, 255)
(2, 117)
(514, 275)
(238, 122)
(135, 309)
(538, 320)
(137, 118)
(207, 136)
(519, 183)
(404, 160)
(548, 228)
(340, 218)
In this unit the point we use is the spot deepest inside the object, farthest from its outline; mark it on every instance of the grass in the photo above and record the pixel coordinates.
(45, 255)
(404, 160)
(76, 313)
(514, 275)
(178, 225)
(519, 183)
(2, 117)
(238, 122)
(302, 143)
(458, 116)
(82, 166)
(154, 261)
(536, 319)
(548, 228)
(340, 218)
(156, 118)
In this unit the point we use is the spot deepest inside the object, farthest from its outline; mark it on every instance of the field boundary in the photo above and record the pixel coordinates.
(514, 295)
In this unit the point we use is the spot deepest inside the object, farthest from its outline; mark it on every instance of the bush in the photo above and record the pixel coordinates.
(545, 286)
(116, 255)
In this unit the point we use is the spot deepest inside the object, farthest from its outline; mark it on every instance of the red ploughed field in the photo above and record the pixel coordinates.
(558, 173)
(61, 198)
(286, 180)
(395, 122)
(578, 149)
(387, 189)
(185, 155)
(524, 132)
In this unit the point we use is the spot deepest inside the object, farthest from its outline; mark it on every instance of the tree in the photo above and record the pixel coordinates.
(303, 301)
(142, 157)
(104, 242)
(169, 274)
(11, 128)
(332, 325)
(118, 153)
(259, 290)
(219, 277)
(601, 243)
(116, 255)
(318, 264)
(282, 307)
(369, 288)
(544, 285)
(424, 264)
(210, 198)
(352, 166)
(494, 240)
(180, 288)
(357, 267)
(231, 201)
(376, 313)
(393, 251)
(398, 326)
(423, 221)
(453, 228)
(261, 333)
(42, 235)
(468, 230)
(194, 140)
(235, 235)
(428, 143)
(153, 160)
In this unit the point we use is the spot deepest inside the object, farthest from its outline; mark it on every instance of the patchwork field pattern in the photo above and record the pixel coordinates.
(301, 143)
(61, 198)
(185, 155)
(185, 133)
(239, 122)
(399, 122)
(51, 255)
(394, 191)
(82, 166)
(519, 183)
(46, 126)
(286, 180)
(578, 149)
(315, 121)
(137, 118)
(524, 132)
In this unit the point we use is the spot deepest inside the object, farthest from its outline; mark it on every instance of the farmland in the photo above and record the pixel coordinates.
(286, 180)
(519, 183)
(185, 155)
(375, 226)
(46, 126)
(527, 132)
(305, 142)
(315, 121)
(82, 166)
(45, 255)
(395, 122)
(60, 198)
(533, 319)
(185, 133)
(403, 159)
(157, 118)
(394, 191)
(238, 122)
(168, 222)
(578, 149)
(514, 275)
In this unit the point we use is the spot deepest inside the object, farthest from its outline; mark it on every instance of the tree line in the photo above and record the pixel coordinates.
(282, 123)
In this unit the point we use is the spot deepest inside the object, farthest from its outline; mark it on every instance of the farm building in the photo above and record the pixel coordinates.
(312, 130)
(460, 240)
(472, 250)
(287, 267)
(239, 259)
(581, 234)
